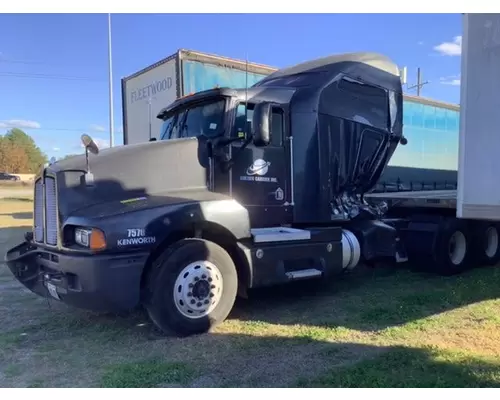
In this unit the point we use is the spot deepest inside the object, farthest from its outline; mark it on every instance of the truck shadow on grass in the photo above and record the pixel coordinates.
(370, 299)
(281, 362)
(76, 348)
(118, 352)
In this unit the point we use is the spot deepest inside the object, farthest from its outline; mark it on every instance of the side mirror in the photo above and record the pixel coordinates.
(261, 118)
(89, 144)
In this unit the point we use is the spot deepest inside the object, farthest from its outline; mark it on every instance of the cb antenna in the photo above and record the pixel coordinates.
(246, 92)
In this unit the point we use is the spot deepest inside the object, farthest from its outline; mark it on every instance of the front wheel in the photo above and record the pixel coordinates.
(192, 287)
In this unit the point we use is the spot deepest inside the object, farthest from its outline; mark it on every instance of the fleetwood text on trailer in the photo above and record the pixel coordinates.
(147, 91)
(246, 188)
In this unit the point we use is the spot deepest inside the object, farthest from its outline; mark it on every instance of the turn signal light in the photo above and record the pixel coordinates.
(97, 239)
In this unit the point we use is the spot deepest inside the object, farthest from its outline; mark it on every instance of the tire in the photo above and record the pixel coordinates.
(487, 244)
(449, 258)
(191, 268)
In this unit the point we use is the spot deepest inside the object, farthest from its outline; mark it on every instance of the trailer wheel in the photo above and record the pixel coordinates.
(453, 248)
(487, 244)
(192, 287)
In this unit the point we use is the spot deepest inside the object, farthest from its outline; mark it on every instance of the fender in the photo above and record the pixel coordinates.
(151, 220)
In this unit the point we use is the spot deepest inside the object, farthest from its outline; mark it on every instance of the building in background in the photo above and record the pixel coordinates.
(430, 159)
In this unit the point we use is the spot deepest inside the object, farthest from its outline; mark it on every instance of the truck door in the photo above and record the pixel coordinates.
(259, 176)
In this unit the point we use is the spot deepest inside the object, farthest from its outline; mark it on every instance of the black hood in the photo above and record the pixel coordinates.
(126, 172)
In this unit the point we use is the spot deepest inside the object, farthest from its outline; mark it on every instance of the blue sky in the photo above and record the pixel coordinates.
(53, 67)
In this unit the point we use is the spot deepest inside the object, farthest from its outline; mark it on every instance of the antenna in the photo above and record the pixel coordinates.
(403, 74)
(246, 92)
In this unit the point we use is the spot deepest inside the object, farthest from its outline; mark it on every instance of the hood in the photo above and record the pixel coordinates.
(130, 171)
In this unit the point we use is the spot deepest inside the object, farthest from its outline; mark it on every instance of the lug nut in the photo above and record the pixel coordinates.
(196, 279)
(206, 302)
(190, 294)
(212, 286)
(199, 304)
(191, 285)
(203, 276)
(193, 301)
(212, 295)
(210, 279)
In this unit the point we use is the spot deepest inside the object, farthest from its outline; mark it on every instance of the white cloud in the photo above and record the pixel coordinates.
(453, 48)
(98, 128)
(56, 149)
(453, 80)
(19, 123)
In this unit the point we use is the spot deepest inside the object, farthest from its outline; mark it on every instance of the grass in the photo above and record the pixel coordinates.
(146, 374)
(373, 328)
(410, 367)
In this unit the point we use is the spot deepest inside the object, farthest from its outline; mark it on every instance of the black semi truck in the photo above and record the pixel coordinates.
(245, 188)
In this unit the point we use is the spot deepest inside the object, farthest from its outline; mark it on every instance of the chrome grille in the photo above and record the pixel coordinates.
(38, 212)
(50, 211)
(45, 211)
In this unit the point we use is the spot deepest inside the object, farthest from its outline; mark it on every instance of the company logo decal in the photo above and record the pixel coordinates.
(259, 167)
(257, 171)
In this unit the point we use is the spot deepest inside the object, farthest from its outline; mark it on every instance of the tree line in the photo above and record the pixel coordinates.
(19, 153)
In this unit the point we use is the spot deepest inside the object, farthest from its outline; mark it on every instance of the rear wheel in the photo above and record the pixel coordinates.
(487, 244)
(453, 247)
(192, 287)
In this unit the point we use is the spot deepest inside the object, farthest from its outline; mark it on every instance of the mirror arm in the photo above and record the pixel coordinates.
(227, 165)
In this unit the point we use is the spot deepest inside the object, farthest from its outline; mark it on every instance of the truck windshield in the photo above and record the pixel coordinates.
(202, 119)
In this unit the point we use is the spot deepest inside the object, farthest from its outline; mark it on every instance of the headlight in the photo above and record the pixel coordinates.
(91, 238)
(82, 236)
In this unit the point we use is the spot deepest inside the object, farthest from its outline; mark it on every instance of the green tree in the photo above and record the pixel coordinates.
(19, 139)
(13, 159)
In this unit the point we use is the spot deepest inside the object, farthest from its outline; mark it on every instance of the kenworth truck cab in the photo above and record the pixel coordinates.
(245, 188)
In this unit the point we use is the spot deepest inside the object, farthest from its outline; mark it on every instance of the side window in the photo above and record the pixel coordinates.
(240, 124)
(277, 123)
(277, 126)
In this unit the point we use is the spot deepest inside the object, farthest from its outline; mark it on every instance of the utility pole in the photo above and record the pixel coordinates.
(419, 83)
(110, 68)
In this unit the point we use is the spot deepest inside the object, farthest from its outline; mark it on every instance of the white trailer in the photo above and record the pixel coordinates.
(478, 188)
(147, 91)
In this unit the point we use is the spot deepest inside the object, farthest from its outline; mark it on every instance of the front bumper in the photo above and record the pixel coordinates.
(106, 283)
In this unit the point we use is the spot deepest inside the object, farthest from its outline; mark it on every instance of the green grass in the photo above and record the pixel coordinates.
(146, 374)
(409, 367)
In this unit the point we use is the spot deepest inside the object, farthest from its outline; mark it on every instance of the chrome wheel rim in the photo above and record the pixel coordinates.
(198, 289)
